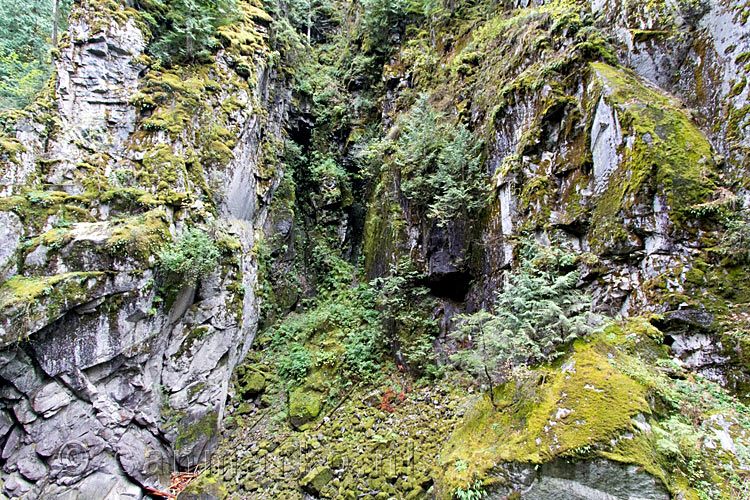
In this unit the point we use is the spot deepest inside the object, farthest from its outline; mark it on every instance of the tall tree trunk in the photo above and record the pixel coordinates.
(55, 22)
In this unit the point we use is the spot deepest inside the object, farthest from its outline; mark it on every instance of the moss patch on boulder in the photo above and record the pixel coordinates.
(304, 406)
(616, 396)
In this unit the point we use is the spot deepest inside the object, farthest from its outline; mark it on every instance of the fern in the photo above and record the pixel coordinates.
(473, 492)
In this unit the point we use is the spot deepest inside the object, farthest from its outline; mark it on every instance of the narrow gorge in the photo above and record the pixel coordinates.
(406, 249)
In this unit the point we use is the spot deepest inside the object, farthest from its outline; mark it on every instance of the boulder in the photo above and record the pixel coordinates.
(304, 406)
(316, 480)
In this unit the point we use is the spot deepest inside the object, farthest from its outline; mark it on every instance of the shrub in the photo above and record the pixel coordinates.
(406, 306)
(440, 164)
(538, 309)
(363, 345)
(735, 243)
(192, 258)
(349, 313)
(293, 365)
(382, 19)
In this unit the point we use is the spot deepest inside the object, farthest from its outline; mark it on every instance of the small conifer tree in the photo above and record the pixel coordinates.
(538, 310)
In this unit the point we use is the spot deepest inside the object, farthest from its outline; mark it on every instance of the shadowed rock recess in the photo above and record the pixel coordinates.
(411, 249)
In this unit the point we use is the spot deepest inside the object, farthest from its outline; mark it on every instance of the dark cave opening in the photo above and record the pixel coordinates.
(453, 285)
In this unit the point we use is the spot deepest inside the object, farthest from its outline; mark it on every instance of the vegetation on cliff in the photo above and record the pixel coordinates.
(490, 253)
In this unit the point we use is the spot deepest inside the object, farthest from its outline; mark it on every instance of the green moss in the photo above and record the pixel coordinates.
(669, 154)
(139, 237)
(641, 36)
(555, 413)
(205, 427)
(11, 147)
(207, 484)
(695, 276)
(29, 303)
(250, 381)
(738, 87)
(384, 228)
(742, 58)
(617, 397)
(305, 405)
(316, 480)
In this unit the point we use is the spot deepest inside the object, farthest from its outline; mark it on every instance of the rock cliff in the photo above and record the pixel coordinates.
(110, 382)
(315, 357)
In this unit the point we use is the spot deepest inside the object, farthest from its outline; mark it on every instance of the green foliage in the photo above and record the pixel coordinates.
(20, 80)
(538, 309)
(473, 492)
(406, 310)
(736, 240)
(25, 42)
(294, 364)
(363, 343)
(295, 22)
(351, 318)
(440, 163)
(285, 38)
(185, 30)
(381, 20)
(459, 182)
(677, 439)
(192, 258)
(333, 272)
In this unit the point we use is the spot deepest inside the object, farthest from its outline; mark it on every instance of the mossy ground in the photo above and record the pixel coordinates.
(369, 451)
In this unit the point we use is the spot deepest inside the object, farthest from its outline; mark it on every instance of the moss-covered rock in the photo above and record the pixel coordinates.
(252, 383)
(316, 480)
(305, 405)
(557, 411)
(206, 487)
(29, 303)
(607, 399)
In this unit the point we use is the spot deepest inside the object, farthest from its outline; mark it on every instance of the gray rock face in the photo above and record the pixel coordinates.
(606, 136)
(692, 50)
(104, 388)
(586, 480)
(9, 242)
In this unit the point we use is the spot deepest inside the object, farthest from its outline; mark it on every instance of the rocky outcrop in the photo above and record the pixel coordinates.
(109, 381)
(593, 426)
(582, 158)
(584, 480)
(697, 51)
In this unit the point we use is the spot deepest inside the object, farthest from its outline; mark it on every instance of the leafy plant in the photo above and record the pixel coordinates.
(405, 305)
(349, 313)
(192, 258)
(293, 365)
(473, 492)
(538, 309)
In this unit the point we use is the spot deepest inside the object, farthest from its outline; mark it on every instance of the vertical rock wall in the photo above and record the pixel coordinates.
(107, 382)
